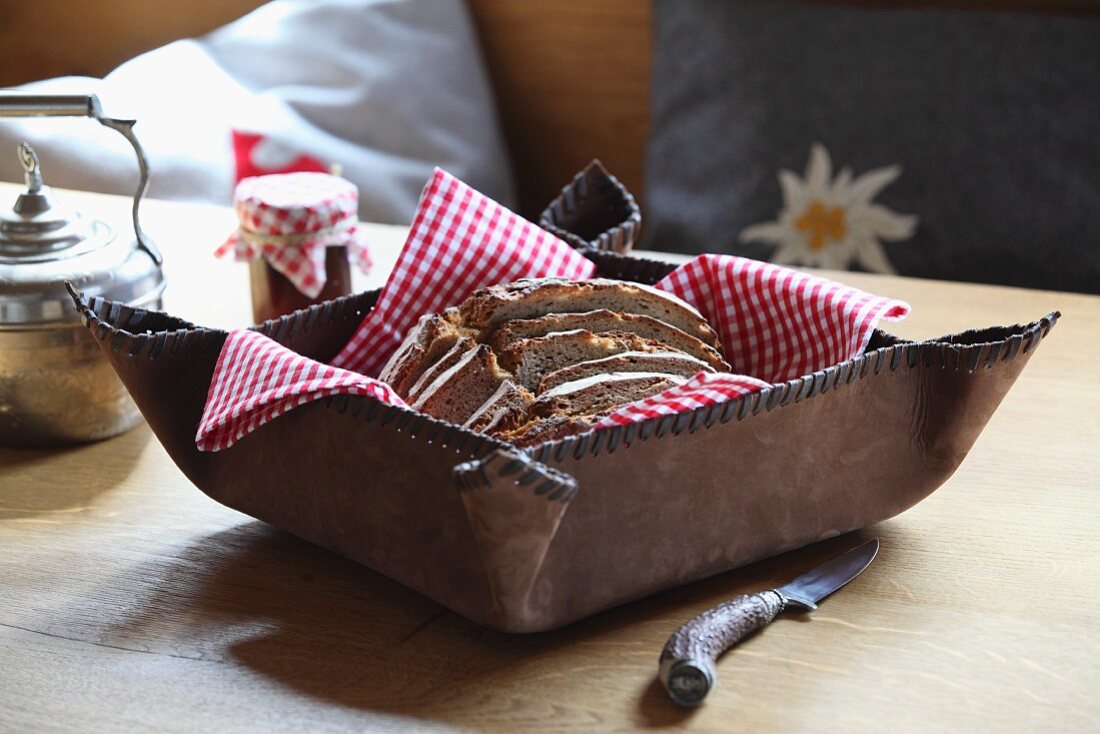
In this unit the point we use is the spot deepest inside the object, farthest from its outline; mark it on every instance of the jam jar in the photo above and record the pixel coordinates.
(298, 232)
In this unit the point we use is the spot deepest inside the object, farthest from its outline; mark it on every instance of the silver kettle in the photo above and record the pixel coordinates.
(56, 387)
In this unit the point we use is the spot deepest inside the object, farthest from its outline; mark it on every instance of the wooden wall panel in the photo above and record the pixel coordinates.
(40, 39)
(572, 83)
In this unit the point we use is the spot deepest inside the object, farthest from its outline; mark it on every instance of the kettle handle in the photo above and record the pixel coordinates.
(86, 105)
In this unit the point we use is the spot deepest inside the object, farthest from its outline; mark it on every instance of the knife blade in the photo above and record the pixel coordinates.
(687, 664)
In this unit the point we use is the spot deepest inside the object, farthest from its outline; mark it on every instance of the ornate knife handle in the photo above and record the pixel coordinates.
(16, 104)
(687, 662)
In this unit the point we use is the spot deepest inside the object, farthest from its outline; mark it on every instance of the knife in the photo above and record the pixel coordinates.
(687, 662)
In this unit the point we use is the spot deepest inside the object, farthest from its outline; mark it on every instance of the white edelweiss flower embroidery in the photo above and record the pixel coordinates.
(831, 223)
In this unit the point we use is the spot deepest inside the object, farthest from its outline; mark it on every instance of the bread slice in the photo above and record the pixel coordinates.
(433, 335)
(431, 369)
(542, 430)
(576, 406)
(460, 390)
(503, 411)
(532, 359)
(669, 363)
(531, 298)
(602, 320)
(600, 394)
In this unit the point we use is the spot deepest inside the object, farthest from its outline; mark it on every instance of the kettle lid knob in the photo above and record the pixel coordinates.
(37, 224)
(32, 171)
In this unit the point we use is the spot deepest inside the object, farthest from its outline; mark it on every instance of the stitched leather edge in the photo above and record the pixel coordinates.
(149, 334)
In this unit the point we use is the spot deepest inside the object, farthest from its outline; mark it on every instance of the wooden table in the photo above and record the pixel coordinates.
(130, 601)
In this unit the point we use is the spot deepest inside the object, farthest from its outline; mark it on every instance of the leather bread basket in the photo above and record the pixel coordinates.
(525, 540)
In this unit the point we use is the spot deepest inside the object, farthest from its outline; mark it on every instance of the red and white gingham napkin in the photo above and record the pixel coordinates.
(289, 219)
(775, 323)
(258, 379)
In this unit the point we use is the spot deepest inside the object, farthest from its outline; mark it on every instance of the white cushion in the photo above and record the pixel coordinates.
(388, 89)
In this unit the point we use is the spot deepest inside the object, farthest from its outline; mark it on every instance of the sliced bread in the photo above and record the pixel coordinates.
(531, 298)
(532, 359)
(671, 363)
(542, 430)
(463, 388)
(431, 369)
(504, 410)
(539, 360)
(598, 394)
(433, 335)
(602, 320)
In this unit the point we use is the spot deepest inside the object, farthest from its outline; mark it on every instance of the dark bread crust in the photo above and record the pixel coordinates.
(433, 336)
(546, 429)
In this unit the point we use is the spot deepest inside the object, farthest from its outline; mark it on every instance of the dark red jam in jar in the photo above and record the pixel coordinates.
(274, 295)
(295, 229)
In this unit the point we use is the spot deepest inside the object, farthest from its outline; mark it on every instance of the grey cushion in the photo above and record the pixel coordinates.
(989, 118)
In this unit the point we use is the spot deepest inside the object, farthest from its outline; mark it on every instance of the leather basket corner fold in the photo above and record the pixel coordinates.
(525, 540)
(594, 212)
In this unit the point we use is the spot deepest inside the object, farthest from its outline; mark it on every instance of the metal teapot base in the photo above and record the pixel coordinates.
(56, 389)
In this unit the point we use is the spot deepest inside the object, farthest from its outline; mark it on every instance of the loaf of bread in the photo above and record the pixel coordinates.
(540, 359)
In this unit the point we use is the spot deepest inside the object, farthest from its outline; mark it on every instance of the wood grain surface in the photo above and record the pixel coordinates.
(129, 601)
(572, 84)
(40, 39)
